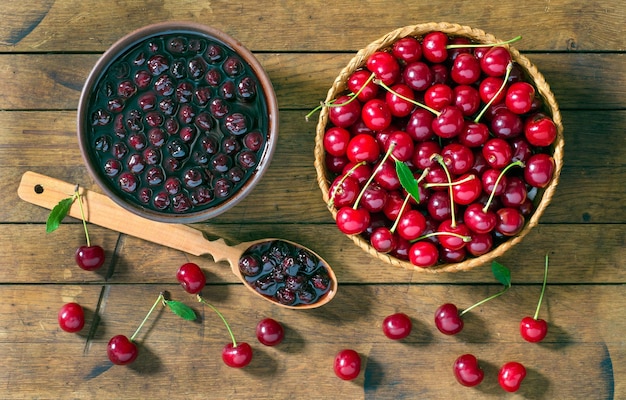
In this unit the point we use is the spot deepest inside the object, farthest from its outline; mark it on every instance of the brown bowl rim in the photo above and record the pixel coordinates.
(545, 195)
(136, 36)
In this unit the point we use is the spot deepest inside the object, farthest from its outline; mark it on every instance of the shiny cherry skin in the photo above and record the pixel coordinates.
(363, 147)
(533, 330)
(480, 243)
(237, 357)
(468, 190)
(539, 170)
(347, 364)
(90, 258)
(376, 114)
(383, 240)
(465, 69)
(434, 47)
(411, 225)
(407, 49)
(449, 123)
(71, 317)
(351, 221)
(495, 61)
(467, 371)
(356, 84)
(448, 320)
(270, 332)
(191, 277)
(497, 153)
(423, 254)
(479, 220)
(510, 221)
(452, 242)
(397, 326)
(344, 115)
(458, 158)
(396, 99)
(403, 146)
(438, 96)
(385, 66)
(540, 130)
(519, 97)
(344, 191)
(336, 141)
(511, 375)
(121, 350)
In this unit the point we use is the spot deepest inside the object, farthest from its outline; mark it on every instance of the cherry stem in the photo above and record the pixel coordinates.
(466, 179)
(543, 288)
(500, 293)
(230, 332)
(332, 102)
(397, 221)
(439, 159)
(509, 68)
(82, 214)
(466, 239)
(495, 186)
(371, 178)
(417, 103)
(158, 300)
(464, 46)
(343, 178)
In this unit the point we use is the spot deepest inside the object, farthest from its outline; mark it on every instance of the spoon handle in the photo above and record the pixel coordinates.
(100, 210)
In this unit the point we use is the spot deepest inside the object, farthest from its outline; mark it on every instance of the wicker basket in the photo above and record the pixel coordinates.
(534, 76)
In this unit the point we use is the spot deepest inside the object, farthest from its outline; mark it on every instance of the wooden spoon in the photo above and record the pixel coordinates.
(46, 192)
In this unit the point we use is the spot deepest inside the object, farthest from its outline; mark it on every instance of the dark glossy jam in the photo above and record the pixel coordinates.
(177, 123)
(285, 273)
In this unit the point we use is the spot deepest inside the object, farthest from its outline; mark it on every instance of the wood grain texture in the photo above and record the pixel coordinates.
(47, 49)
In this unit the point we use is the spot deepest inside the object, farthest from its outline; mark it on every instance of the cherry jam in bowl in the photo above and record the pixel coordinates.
(177, 122)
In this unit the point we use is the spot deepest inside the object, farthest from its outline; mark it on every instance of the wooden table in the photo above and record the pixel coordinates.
(47, 48)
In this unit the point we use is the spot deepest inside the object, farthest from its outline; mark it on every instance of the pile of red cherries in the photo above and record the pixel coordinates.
(438, 149)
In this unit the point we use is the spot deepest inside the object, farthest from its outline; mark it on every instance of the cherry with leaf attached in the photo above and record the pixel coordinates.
(123, 350)
(88, 257)
(449, 320)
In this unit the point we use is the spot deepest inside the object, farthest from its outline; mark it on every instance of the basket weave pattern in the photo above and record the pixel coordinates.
(476, 35)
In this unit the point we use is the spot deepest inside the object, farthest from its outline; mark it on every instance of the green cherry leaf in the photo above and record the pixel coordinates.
(407, 180)
(181, 309)
(502, 273)
(57, 214)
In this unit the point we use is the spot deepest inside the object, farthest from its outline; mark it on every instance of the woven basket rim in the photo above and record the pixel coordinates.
(476, 35)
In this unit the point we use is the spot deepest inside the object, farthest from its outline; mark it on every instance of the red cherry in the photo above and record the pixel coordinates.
(519, 97)
(363, 147)
(356, 84)
(360, 173)
(269, 332)
(407, 49)
(71, 317)
(347, 365)
(376, 114)
(466, 98)
(383, 240)
(434, 47)
(344, 191)
(411, 225)
(511, 375)
(539, 170)
(419, 126)
(489, 87)
(396, 100)
(384, 66)
(344, 115)
(449, 123)
(418, 76)
(465, 69)
(495, 61)
(121, 350)
(448, 320)
(191, 277)
(540, 130)
(90, 258)
(438, 96)
(397, 326)
(478, 220)
(455, 241)
(336, 141)
(533, 330)
(439, 207)
(458, 158)
(423, 254)
(480, 243)
(467, 371)
(403, 145)
(351, 221)
(510, 221)
(237, 357)
(468, 190)
(497, 153)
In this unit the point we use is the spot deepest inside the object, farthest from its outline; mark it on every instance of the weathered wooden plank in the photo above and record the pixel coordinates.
(301, 80)
(309, 25)
(578, 254)
(580, 358)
